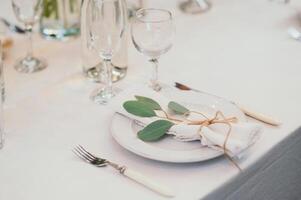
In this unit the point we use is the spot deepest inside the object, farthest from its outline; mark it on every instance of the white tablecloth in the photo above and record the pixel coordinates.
(238, 50)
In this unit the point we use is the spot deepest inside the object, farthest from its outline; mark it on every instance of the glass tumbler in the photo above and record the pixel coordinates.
(60, 19)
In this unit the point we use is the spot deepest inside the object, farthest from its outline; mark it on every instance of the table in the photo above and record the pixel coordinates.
(238, 50)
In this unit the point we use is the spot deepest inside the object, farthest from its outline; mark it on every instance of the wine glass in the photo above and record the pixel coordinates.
(28, 12)
(152, 34)
(107, 21)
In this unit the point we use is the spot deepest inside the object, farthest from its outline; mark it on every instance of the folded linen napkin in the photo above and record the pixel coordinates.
(243, 134)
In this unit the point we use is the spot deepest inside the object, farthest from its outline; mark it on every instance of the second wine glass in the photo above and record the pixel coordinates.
(152, 34)
(107, 21)
(29, 12)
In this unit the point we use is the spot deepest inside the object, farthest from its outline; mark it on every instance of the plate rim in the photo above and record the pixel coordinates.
(137, 152)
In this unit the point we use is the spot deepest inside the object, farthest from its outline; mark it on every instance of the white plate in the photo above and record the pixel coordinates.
(168, 149)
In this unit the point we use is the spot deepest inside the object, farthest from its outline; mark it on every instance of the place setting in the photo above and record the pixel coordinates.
(173, 124)
(155, 121)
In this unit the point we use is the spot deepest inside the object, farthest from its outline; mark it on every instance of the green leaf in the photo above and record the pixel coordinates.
(139, 108)
(177, 108)
(155, 105)
(155, 130)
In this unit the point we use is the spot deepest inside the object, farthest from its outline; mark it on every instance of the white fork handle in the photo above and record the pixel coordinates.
(149, 183)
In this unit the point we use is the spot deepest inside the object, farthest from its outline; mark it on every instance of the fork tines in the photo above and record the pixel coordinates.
(83, 154)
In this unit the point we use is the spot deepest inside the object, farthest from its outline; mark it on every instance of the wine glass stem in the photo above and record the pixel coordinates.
(154, 78)
(28, 29)
(107, 76)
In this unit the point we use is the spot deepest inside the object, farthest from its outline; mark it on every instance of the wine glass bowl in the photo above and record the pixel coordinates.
(152, 32)
(28, 12)
(152, 35)
(106, 27)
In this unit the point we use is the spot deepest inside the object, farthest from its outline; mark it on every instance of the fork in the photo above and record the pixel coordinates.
(82, 153)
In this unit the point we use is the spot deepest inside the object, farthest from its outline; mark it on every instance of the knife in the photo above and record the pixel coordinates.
(247, 111)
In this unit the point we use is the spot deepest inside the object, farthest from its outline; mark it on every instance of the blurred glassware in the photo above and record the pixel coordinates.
(60, 19)
(2, 84)
(10, 26)
(3, 34)
(92, 66)
(90, 60)
(2, 93)
(134, 6)
(152, 35)
(195, 6)
(107, 25)
(281, 1)
(29, 13)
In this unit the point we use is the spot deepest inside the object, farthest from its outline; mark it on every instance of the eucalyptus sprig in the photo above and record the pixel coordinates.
(147, 107)
(177, 108)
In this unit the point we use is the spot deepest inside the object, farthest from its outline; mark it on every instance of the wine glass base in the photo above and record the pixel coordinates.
(155, 86)
(102, 97)
(30, 65)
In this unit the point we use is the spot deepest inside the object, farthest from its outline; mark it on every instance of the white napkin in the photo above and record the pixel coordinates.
(242, 136)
